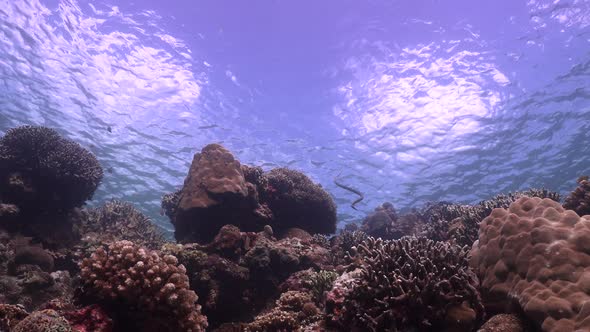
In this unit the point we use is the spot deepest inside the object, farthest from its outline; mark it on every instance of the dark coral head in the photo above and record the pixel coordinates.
(38, 167)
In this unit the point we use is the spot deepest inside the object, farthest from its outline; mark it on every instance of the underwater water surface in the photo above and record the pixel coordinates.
(406, 101)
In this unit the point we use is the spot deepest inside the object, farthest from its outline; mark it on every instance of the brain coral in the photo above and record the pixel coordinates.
(60, 172)
(152, 289)
(412, 283)
(536, 255)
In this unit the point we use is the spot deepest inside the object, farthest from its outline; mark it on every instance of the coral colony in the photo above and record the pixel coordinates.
(257, 250)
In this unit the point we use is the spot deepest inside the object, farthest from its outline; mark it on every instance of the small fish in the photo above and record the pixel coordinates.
(109, 129)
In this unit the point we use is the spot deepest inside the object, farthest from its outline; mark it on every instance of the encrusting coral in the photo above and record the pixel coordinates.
(411, 283)
(40, 169)
(534, 257)
(150, 290)
(579, 199)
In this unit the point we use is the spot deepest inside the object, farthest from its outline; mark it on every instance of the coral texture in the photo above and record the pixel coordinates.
(412, 283)
(41, 169)
(579, 199)
(298, 202)
(10, 315)
(503, 323)
(382, 223)
(151, 288)
(215, 193)
(116, 220)
(536, 255)
(43, 321)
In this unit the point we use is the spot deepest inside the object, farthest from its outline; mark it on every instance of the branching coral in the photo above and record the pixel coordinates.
(319, 283)
(412, 283)
(579, 199)
(459, 223)
(170, 203)
(118, 220)
(154, 288)
(37, 163)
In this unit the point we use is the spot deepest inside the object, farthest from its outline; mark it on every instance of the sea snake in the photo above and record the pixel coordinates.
(345, 187)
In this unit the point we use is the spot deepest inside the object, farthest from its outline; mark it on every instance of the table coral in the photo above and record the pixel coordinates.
(535, 255)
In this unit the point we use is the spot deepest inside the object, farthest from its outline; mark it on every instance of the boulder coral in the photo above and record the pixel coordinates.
(215, 193)
(218, 190)
(298, 202)
(39, 169)
(534, 257)
(410, 283)
(145, 288)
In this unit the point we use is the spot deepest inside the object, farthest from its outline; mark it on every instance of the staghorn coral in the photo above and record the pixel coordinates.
(411, 283)
(135, 281)
(40, 169)
(535, 257)
(579, 199)
(117, 220)
(43, 321)
(298, 202)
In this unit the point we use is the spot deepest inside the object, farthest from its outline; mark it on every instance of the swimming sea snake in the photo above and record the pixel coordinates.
(345, 187)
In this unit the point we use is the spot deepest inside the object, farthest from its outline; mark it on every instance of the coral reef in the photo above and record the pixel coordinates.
(39, 169)
(412, 283)
(298, 202)
(292, 311)
(381, 223)
(459, 223)
(504, 323)
(117, 220)
(579, 199)
(89, 319)
(218, 190)
(136, 282)
(534, 257)
(43, 321)
(215, 193)
(10, 316)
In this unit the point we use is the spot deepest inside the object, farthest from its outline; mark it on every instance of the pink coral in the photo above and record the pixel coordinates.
(535, 255)
(152, 287)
